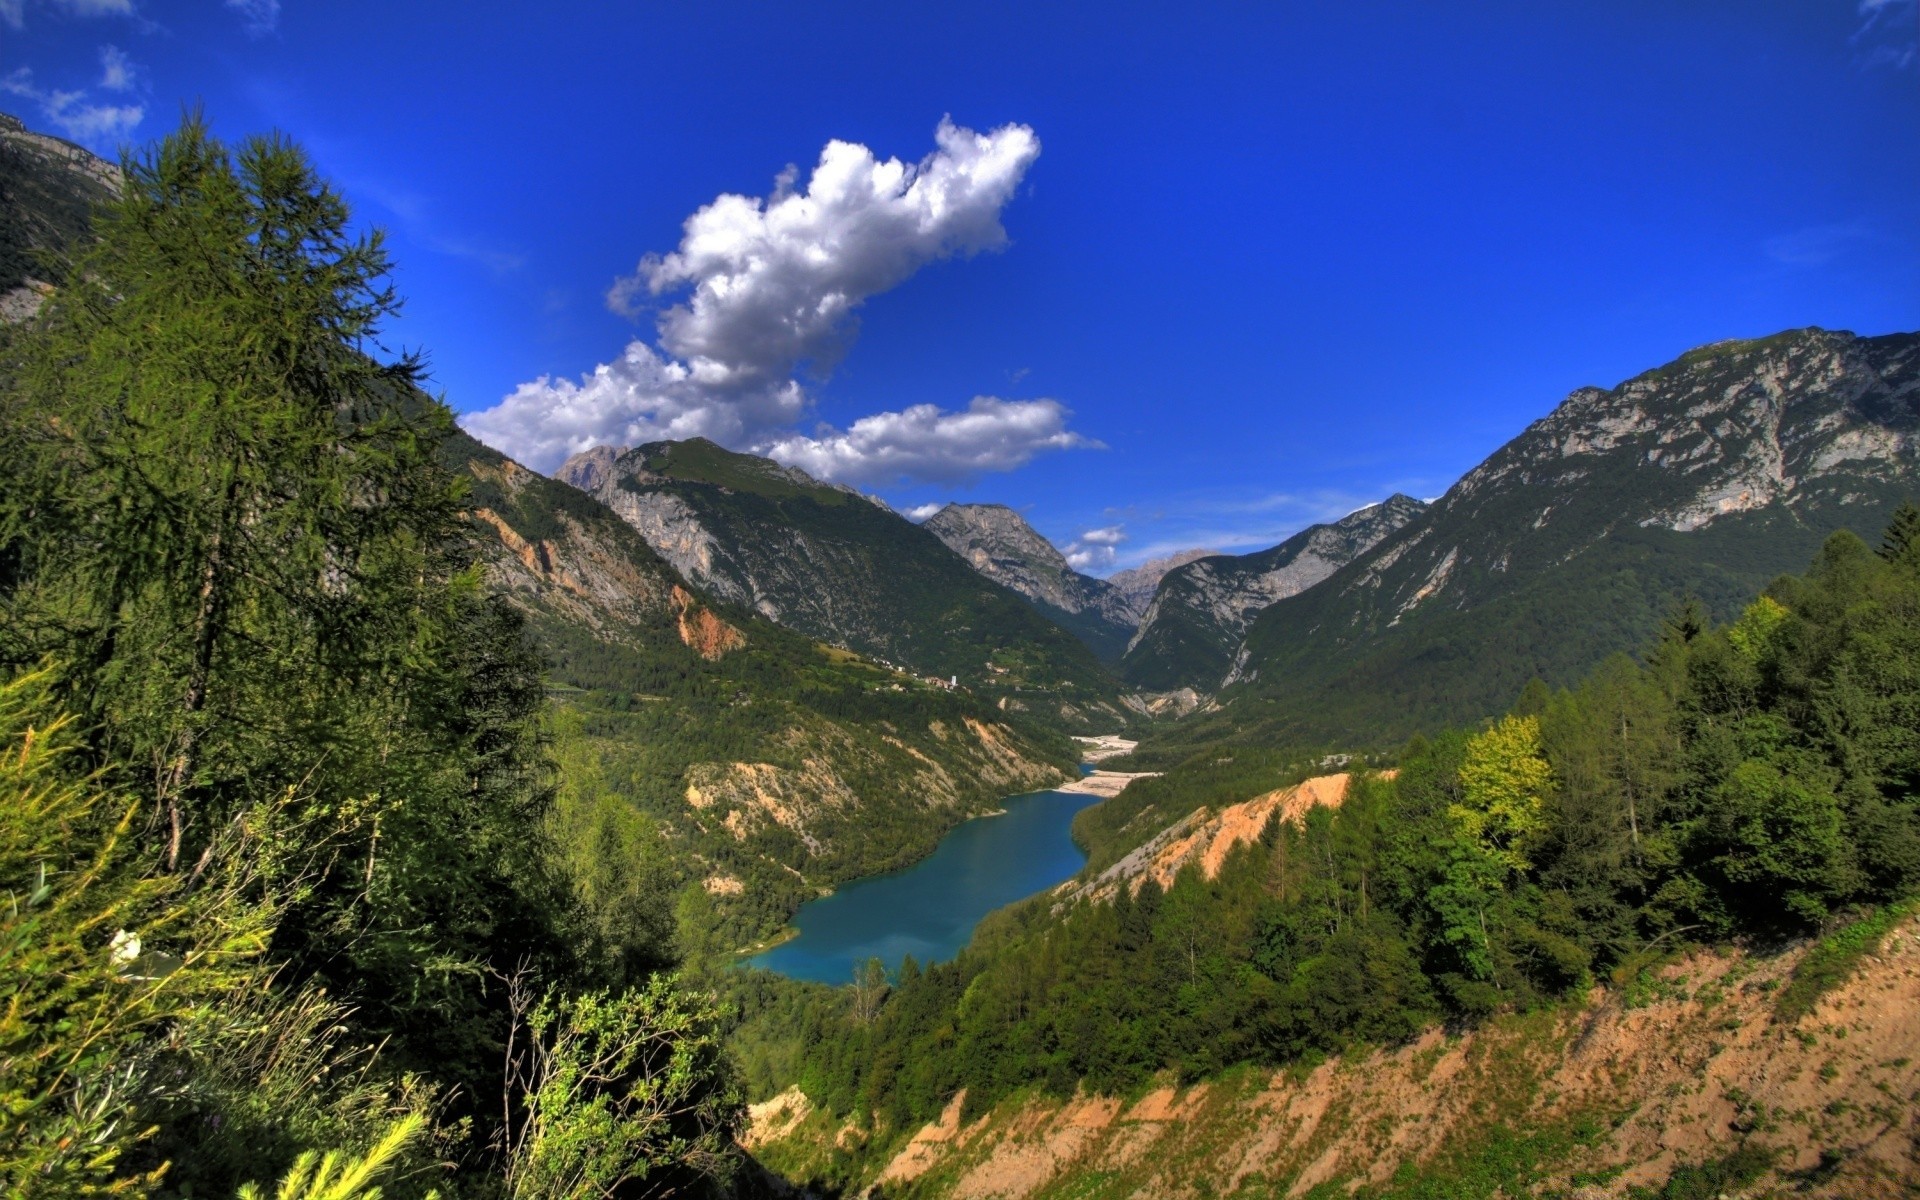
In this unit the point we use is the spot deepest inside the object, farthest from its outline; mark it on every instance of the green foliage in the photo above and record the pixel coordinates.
(1504, 784)
(333, 1176)
(1834, 958)
(266, 887)
(96, 956)
(1745, 781)
(1710, 1180)
(623, 1094)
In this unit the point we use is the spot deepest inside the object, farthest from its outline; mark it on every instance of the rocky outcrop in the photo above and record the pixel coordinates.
(49, 188)
(1204, 837)
(1707, 477)
(1193, 628)
(997, 542)
(830, 563)
(1139, 583)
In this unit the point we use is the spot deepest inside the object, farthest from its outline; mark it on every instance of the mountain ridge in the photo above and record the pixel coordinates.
(1190, 633)
(834, 564)
(999, 543)
(1706, 477)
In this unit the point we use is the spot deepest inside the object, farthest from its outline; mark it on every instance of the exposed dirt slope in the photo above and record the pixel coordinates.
(1683, 1068)
(1206, 836)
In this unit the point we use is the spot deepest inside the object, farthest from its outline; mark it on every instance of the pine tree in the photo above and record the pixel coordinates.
(1901, 541)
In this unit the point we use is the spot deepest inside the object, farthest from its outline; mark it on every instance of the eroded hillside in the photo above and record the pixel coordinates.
(1684, 1068)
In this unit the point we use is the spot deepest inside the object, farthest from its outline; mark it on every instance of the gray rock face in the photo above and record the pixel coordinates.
(1192, 629)
(46, 205)
(589, 469)
(831, 563)
(1138, 584)
(1706, 477)
(997, 542)
(1801, 421)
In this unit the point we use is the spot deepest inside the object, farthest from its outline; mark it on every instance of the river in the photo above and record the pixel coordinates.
(929, 910)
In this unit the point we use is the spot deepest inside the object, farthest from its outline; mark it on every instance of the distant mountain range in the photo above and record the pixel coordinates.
(998, 543)
(831, 563)
(1704, 477)
(1200, 612)
(1707, 477)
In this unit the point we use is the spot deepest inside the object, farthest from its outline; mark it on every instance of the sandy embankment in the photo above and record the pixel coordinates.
(1105, 784)
(1103, 747)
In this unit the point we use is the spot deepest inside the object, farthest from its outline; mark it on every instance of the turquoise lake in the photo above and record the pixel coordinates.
(929, 909)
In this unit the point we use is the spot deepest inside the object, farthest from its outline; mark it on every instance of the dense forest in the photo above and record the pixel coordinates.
(286, 899)
(1755, 781)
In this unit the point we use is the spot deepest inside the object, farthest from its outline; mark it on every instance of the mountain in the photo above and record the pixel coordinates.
(773, 766)
(48, 187)
(1138, 584)
(1201, 610)
(1706, 477)
(830, 563)
(997, 542)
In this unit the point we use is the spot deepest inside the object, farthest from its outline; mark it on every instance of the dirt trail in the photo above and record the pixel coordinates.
(1688, 1069)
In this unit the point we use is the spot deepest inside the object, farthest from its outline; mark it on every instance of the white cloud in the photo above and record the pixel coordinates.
(73, 115)
(259, 17)
(116, 69)
(773, 285)
(776, 281)
(1095, 549)
(930, 444)
(1889, 34)
(1815, 245)
(921, 512)
(640, 397)
(14, 12)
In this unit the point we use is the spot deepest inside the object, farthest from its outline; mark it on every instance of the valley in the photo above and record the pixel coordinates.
(685, 807)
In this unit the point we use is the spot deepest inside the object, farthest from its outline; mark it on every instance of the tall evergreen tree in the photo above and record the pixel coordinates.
(223, 520)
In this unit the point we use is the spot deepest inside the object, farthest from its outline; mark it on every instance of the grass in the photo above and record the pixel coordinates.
(1834, 958)
(1710, 1180)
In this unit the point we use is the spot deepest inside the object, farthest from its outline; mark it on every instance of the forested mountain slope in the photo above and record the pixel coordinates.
(1684, 1084)
(1658, 834)
(998, 543)
(830, 563)
(1706, 477)
(1201, 610)
(723, 752)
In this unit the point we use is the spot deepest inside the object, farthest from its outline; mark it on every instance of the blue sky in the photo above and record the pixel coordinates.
(1192, 274)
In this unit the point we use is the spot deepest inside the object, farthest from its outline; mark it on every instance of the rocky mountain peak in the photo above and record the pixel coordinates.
(1139, 583)
(1728, 428)
(997, 542)
(1202, 609)
(590, 468)
(1000, 544)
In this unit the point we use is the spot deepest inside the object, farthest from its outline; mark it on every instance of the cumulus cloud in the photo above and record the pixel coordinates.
(930, 444)
(921, 512)
(639, 397)
(770, 286)
(1095, 549)
(775, 281)
(73, 113)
